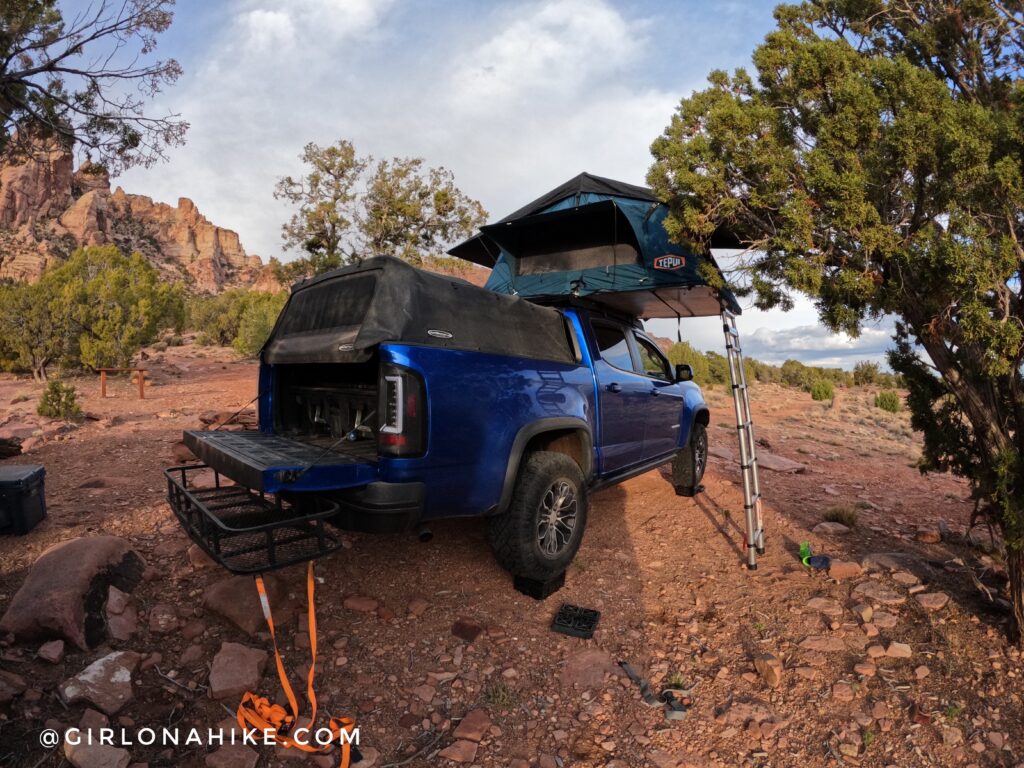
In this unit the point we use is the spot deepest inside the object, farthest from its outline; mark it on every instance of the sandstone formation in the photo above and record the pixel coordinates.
(47, 209)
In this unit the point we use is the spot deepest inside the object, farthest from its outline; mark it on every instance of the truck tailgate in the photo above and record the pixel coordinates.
(271, 463)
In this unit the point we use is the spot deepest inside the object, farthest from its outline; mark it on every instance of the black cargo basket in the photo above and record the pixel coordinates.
(249, 532)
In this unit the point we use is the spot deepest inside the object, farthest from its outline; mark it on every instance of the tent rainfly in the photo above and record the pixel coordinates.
(605, 241)
(601, 239)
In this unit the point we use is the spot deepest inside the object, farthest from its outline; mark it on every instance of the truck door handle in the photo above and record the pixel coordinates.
(613, 387)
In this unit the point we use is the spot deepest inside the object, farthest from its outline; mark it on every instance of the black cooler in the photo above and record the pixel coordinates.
(22, 502)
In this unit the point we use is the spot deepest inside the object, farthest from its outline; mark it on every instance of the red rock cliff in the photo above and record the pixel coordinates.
(47, 210)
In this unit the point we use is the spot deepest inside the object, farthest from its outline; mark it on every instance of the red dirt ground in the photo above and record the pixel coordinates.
(665, 572)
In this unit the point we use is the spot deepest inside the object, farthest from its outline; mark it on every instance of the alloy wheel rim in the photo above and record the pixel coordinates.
(556, 520)
(700, 454)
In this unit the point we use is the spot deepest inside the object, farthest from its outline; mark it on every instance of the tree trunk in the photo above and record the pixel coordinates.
(1015, 570)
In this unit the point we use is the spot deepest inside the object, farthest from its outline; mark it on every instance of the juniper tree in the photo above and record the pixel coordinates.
(873, 161)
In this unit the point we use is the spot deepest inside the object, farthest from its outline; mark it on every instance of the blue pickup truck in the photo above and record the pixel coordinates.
(391, 397)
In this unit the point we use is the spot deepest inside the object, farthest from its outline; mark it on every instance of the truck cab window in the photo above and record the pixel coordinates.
(612, 344)
(654, 363)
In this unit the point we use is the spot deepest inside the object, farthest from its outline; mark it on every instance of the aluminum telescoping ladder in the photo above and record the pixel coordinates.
(745, 432)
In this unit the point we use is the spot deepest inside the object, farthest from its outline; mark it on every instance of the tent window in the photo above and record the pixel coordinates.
(612, 344)
(577, 258)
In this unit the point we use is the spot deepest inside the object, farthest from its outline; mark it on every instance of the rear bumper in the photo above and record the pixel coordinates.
(379, 507)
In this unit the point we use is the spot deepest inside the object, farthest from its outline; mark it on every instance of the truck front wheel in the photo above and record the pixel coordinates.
(537, 537)
(689, 464)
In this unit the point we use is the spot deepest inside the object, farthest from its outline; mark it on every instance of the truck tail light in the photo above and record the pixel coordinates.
(402, 430)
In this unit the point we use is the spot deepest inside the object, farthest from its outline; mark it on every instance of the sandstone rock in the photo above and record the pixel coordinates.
(932, 601)
(42, 203)
(586, 669)
(360, 603)
(233, 756)
(952, 736)
(864, 612)
(865, 668)
(884, 620)
(424, 692)
(63, 593)
(876, 651)
(842, 692)
(198, 559)
(473, 726)
(874, 591)
(235, 598)
(11, 685)
(106, 683)
(844, 569)
(823, 643)
(236, 669)
(890, 561)
(922, 672)
(827, 606)
(830, 529)
(898, 651)
(417, 606)
(781, 464)
(928, 534)
(462, 751)
(52, 651)
(370, 758)
(769, 667)
(84, 755)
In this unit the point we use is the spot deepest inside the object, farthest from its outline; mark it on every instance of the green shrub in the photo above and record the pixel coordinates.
(889, 401)
(821, 389)
(175, 340)
(257, 321)
(844, 515)
(59, 401)
(865, 373)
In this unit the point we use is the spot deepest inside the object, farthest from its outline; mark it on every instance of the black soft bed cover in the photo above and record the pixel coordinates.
(340, 316)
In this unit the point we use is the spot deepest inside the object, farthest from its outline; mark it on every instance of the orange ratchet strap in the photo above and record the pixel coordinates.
(259, 713)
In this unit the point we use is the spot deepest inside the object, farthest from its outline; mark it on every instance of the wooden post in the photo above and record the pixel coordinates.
(142, 383)
(103, 383)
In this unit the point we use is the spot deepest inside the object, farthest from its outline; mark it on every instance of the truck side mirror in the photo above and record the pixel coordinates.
(684, 372)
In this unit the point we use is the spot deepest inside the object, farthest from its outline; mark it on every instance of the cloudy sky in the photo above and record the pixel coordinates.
(514, 97)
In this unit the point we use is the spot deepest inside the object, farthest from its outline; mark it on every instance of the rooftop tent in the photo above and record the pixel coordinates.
(601, 239)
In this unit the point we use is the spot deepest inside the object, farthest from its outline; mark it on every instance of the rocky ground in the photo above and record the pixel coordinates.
(895, 657)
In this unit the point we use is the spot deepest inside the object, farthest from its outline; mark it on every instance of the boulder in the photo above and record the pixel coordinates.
(874, 591)
(106, 683)
(66, 588)
(235, 598)
(844, 569)
(236, 669)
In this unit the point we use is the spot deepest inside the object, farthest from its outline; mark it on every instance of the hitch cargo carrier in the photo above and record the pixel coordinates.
(244, 531)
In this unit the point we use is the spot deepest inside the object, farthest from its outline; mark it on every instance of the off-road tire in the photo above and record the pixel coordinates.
(514, 534)
(689, 464)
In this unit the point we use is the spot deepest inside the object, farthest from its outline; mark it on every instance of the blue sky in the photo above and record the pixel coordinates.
(514, 97)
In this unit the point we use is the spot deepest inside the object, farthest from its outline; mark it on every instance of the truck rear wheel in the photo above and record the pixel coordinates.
(537, 537)
(689, 464)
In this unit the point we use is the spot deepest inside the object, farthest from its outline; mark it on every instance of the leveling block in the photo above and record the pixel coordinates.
(539, 590)
(576, 621)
